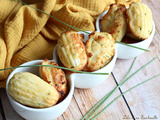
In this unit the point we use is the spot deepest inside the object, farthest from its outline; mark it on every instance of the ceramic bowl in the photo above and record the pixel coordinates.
(126, 52)
(39, 113)
(89, 80)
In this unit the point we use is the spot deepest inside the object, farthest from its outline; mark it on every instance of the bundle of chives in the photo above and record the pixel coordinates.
(125, 93)
(102, 101)
(76, 27)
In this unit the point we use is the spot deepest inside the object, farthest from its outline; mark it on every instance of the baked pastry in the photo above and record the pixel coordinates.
(71, 50)
(115, 21)
(30, 90)
(139, 20)
(100, 48)
(55, 77)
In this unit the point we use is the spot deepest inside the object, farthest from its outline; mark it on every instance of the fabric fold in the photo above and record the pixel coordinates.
(23, 27)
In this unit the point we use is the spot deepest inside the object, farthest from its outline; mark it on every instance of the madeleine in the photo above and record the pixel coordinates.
(139, 21)
(71, 50)
(55, 77)
(115, 21)
(100, 48)
(30, 90)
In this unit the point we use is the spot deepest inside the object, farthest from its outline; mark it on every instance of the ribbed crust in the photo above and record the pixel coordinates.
(71, 50)
(30, 90)
(140, 20)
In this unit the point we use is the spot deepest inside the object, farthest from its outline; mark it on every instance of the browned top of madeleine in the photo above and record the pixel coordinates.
(55, 77)
(71, 50)
(115, 21)
(100, 49)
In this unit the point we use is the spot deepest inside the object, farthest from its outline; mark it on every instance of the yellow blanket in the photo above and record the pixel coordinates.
(27, 34)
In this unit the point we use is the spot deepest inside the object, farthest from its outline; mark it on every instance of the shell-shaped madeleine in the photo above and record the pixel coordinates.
(55, 77)
(100, 49)
(115, 21)
(30, 90)
(140, 20)
(71, 50)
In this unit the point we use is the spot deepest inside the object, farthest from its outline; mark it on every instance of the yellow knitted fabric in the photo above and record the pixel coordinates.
(27, 34)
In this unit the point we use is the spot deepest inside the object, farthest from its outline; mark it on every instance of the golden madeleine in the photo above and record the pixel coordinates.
(30, 90)
(71, 50)
(139, 20)
(55, 77)
(100, 48)
(115, 21)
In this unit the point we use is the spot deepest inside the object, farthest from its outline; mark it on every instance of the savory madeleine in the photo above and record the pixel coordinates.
(30, 90)
(71, 50)
(139, 20)
(115, 21)
(100, 48)
(55, 77)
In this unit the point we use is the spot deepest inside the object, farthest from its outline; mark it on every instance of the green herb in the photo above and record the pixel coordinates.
(102, 101)
(75, 27)
(140, 28)
(125, 93)
(55, 67)
(156, 33)
(108, 95)
(118, 31)
(53, 17)
(132, 46)
(107, 56)
(145, 13)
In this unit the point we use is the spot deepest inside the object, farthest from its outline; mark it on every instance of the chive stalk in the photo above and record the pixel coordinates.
(132, 46)
(55, 67)
(156, 33)
(53, 17)
(108, 95)
(102, 101)
(76, 27)
(123, 94)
